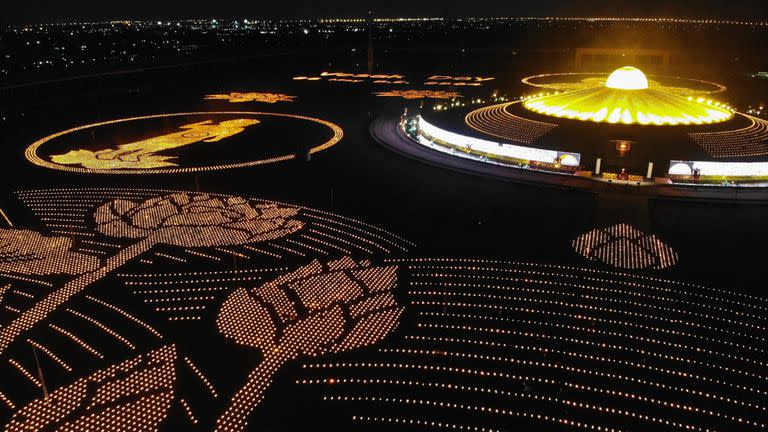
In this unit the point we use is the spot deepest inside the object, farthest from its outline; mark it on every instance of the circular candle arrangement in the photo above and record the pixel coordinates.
(151, 155)
(627, 98)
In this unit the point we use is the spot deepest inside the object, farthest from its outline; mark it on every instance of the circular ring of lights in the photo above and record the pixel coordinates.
(31, 152)
(496, 120)
(626, 98)
(530, 80)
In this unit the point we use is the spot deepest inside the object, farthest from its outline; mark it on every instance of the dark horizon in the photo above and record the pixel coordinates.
(44, 11)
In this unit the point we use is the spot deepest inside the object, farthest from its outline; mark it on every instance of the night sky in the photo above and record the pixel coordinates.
(32, 11)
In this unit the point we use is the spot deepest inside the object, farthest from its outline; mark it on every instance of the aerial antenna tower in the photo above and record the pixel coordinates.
(370, 42)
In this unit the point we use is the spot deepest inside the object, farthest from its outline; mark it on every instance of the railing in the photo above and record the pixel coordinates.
(492, 152)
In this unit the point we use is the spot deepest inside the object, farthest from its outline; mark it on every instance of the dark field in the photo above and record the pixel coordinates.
(520, 327)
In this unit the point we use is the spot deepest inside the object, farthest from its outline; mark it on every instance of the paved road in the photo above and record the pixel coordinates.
(386, 132)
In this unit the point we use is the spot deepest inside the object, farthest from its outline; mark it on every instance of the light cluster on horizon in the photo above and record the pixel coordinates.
(389, 20)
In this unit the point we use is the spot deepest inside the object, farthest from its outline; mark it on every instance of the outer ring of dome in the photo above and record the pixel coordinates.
(626, 99)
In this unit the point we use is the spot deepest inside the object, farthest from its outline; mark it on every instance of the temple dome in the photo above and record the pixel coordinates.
(627, 78)
(626, 99)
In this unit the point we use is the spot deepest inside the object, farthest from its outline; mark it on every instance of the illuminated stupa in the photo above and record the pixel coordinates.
(626, 98)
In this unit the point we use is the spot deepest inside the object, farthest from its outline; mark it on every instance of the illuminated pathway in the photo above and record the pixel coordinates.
(496, 120)
(536, 346)
(392, 342)
(749, 141)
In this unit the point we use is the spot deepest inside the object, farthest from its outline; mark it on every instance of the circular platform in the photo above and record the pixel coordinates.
(183, 142)
(622, 127)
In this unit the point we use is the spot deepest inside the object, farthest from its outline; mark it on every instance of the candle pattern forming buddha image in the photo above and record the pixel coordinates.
(237, 97)
(144, 154)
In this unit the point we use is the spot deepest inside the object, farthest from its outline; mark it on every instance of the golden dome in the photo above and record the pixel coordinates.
(626, 99)
(627, 78)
